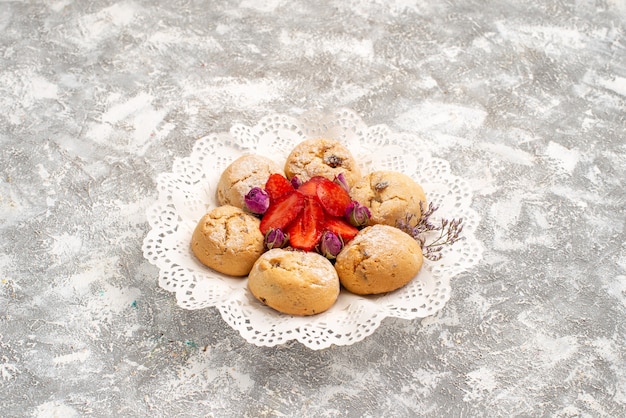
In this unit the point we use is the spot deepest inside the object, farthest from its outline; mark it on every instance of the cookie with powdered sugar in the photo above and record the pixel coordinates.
(228, 240)
(379, 259)
(243, 174)
(294, 282)
(322, 157)
(390, 196)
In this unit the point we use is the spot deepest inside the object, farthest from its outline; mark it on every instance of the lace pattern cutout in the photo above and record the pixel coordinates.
(188, 192)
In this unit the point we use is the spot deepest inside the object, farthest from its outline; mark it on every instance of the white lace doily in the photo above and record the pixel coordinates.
(188, 192)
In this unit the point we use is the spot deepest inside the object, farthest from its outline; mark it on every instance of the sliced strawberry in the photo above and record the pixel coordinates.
(334, 198)
(309, 187)
(306, 231)
(340, 227)
(282, 212)
(277, 185)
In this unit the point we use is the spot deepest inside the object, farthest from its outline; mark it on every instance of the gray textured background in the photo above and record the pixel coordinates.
(527, 100)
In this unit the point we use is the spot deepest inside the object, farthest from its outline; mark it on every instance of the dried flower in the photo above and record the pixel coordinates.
(449, 231)
(357, 214)
(296, 182)
(341, 180)
(276, 238)
(257, 200)
(330, 245)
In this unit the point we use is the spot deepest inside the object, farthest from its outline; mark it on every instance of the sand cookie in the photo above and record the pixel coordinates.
(379, 259)
(321, 157)
(242, 175)
(294, 282)
(228, 240)
(390, 196)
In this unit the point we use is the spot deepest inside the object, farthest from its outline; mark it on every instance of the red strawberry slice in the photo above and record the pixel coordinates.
(309, 187)
(340, 227)
(306, 231)
(334, 198)
(277, 185)
(282, 212)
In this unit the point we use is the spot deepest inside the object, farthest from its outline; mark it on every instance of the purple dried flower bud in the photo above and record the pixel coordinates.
(257, 200)
(357, 214)
(330, 245)
(276, 238)
(341, 180)
(296, 182)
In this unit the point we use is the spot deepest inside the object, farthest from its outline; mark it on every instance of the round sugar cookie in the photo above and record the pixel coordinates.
(243, 174)
(294, 282)
(379, 259)
(390, 197)
(228, 240)
(322, 157)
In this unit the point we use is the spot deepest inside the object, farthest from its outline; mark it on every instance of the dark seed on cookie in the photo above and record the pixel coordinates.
(381, 186)
(334, 161)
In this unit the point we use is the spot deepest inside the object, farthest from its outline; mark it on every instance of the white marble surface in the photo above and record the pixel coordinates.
(527, 100)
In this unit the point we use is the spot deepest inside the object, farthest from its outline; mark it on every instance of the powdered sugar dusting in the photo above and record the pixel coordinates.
(55, 410)
(565, 159)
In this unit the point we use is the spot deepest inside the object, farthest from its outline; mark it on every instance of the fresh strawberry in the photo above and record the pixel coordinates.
(309, 187)
(277, 185)
(282, 212)
(334, 198)
(340, 227)
(306, 231)
(317, 205)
